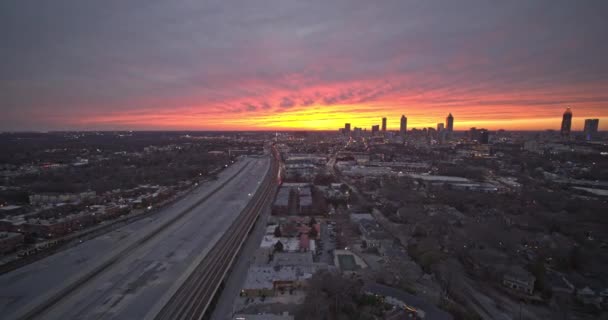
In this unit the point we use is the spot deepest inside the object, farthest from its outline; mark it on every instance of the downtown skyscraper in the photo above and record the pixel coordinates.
(566, 123)
(591, 127)
(449, 123)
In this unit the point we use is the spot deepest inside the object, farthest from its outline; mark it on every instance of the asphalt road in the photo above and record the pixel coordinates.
(195, 294)
(128, 287)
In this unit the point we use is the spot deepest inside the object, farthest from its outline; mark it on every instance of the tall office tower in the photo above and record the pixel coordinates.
(383, 124)
(566, 123)
(591, 126)
(483, 136)
(449, 123)
(375, 129)
(473, 134)
(441, 136)
(403, 126)
(347, 129)
(439, 127)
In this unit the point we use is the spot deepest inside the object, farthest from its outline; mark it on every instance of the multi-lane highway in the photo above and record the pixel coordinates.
(165, 266)
(192, 299)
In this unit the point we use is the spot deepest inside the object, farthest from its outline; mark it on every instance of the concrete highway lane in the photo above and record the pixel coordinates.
(128, 287)
(194, 295)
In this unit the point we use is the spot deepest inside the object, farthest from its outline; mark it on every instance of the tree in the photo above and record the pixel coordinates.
(575, 258)
(277, 232)
(312, 222)
(312, 233)
(332, 296)
(344, 188)
(324, 179)
(539, 270)
(278, 247)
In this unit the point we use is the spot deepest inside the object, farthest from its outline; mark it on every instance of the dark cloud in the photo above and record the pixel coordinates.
(65, 58)
(255, 107)
(286, 103)
(250, 107)
(307, 102)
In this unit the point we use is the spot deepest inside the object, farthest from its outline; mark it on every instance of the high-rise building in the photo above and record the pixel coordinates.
(566, 123)
(591, 126)
(483, 136)
(347, 129)
(473, 134)
(403, 126)
(375, 129)
(439, 127)
(449, 123)
(441, 136)
(383, 124)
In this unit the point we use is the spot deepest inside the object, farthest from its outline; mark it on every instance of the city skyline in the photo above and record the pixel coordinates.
(199, 66)
(565, 128)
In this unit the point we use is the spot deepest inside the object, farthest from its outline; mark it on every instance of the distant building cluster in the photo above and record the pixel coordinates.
(444, 131)
(60, 215)
(502, 208)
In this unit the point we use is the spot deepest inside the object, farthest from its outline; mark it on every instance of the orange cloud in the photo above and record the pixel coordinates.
(364, 103)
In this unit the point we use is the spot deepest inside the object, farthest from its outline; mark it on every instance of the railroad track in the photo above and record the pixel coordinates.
(193, 298)
(44, 303)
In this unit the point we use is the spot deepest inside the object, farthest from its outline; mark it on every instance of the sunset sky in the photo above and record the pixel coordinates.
(266, 65)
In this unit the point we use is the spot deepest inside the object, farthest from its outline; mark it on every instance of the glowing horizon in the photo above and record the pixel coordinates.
(324, 121)
(332, 117)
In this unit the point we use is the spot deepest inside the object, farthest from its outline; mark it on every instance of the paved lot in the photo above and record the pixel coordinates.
(137, 280)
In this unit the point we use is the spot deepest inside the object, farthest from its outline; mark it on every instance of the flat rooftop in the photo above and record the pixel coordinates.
(262, 277)
(434, 178)
(289, 244)
(292, 258)
(356, 217)
(347, 262)
(8, 235)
